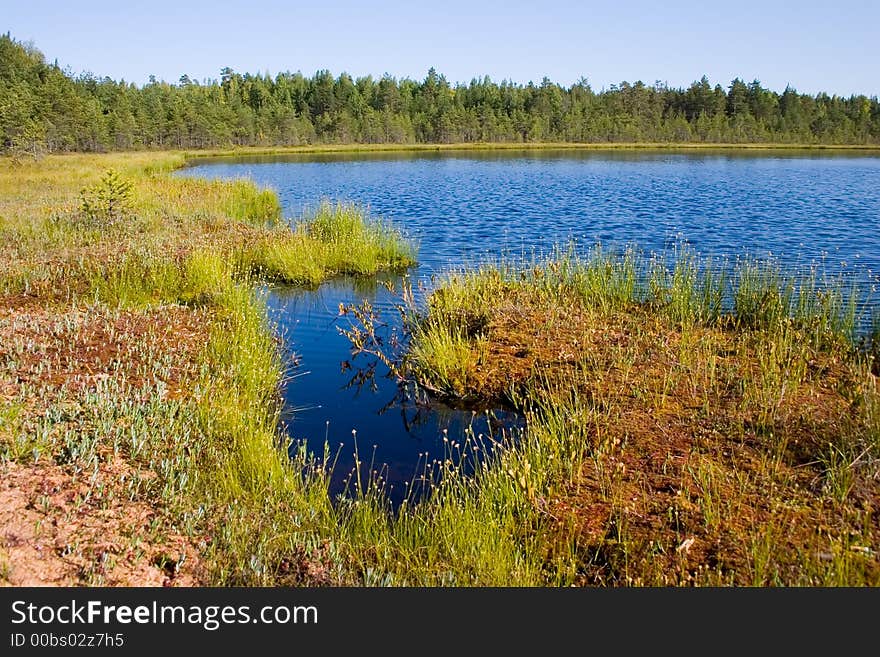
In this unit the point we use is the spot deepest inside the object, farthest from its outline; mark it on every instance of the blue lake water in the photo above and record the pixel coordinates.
(800, 208)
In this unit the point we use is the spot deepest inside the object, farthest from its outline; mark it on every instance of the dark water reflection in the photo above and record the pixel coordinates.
(798, 207)
(329, 398)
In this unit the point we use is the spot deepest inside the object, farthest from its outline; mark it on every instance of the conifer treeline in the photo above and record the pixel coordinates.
(43, 107)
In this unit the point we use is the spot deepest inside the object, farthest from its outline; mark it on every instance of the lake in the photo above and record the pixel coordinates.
(800, 208)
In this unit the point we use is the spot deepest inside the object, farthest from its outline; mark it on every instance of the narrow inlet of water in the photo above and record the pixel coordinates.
(353, 407)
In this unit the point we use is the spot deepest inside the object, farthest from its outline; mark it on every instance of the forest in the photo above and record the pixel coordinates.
(45, 108)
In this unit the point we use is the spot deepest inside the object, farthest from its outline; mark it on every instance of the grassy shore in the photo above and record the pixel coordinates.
(672, 439)
(138, 375)
(688, 423)
(525, 146)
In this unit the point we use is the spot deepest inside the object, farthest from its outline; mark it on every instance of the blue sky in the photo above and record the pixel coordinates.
(814, 46)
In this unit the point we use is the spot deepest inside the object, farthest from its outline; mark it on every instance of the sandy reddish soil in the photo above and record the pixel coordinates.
(49, 536)
(63, 527)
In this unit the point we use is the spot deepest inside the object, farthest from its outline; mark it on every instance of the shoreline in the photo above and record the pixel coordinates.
(505, 146)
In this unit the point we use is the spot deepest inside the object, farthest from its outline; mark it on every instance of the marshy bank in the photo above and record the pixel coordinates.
(139, 383)
(688, 423)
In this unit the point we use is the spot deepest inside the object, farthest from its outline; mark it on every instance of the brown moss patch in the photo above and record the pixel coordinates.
(76, 347)
(716, 455)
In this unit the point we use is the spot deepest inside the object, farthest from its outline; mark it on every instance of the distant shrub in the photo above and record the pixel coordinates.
(27, 143)
(109, 200)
